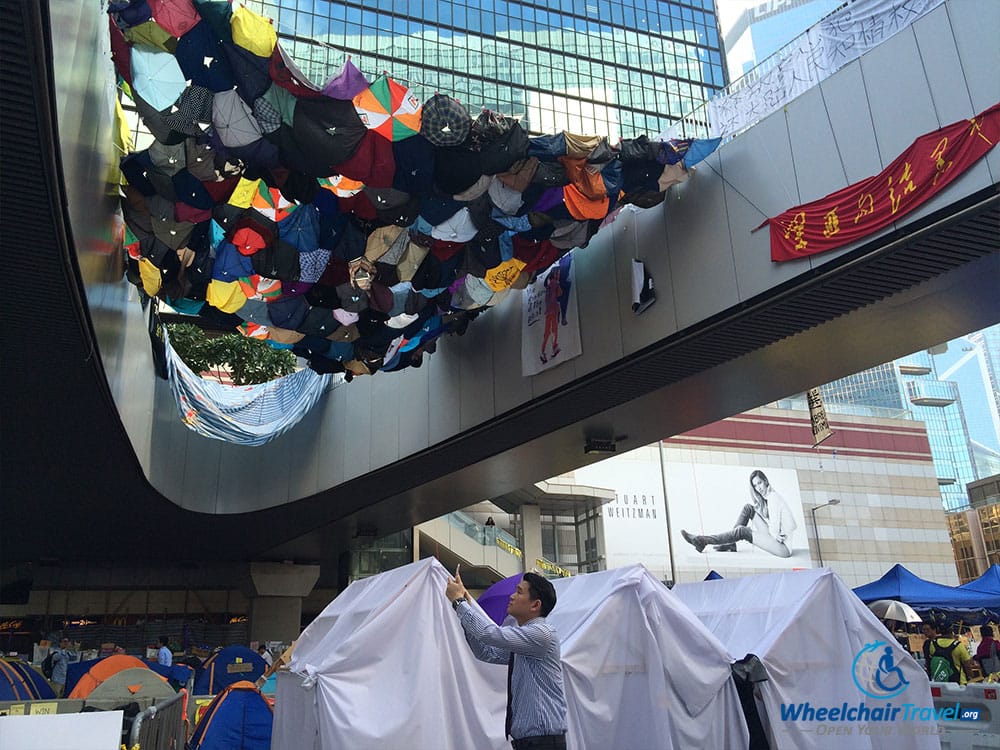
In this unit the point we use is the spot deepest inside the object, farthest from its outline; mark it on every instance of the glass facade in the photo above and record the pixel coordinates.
(601, 67)
(961, 543)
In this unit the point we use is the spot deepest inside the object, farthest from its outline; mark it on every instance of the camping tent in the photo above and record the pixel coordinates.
(389, 652)
(386, 665)
(817, 644)
(238, 717)
(899, 583)
(129, 684)
(223, 668)
(640, 670)
(97, 671)
(19, 681)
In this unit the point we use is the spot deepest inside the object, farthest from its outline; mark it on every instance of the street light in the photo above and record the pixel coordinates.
(819, 549)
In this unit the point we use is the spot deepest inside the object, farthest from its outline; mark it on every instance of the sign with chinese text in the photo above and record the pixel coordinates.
(931, 163)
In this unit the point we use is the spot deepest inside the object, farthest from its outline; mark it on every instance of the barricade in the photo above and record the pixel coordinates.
(973, 713)
(162, 726)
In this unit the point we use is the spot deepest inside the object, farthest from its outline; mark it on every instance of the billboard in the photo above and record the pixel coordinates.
(732, 517)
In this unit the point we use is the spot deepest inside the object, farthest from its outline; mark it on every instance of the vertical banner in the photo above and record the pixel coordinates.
(817, 415)
(550, 322)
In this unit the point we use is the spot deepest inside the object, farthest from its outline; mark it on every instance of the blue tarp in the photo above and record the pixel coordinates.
(901, 584)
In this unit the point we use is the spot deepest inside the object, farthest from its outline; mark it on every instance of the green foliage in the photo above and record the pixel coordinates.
(248, 361)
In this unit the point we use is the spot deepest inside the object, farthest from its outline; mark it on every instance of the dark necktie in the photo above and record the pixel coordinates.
(510, 698)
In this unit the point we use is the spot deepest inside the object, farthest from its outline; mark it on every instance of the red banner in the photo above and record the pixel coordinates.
(932, 162)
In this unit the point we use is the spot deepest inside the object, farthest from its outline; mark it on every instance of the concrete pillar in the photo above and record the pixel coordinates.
(276, 594)
(531, 535)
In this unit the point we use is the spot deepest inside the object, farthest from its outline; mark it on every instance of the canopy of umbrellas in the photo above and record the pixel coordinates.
(349, 221)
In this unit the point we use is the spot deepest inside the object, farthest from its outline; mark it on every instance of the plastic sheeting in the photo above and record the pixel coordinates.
(640, 669)
(807, 627)
(247, 414)
(386, 665)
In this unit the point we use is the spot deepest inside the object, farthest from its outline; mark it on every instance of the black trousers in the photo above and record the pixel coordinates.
(544, 742)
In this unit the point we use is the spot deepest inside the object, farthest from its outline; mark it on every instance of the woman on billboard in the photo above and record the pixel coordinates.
(766, 523)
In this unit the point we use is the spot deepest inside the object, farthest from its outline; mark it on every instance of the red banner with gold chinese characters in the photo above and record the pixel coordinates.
(917, 175)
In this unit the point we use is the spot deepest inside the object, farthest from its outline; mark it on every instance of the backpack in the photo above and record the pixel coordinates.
(940, 667)
(991, 663)
(47, 665)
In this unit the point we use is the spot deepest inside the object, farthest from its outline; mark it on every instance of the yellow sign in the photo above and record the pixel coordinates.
(508, 547)
(46, 709)
(551, 567)
(17, 709)
(241, 667)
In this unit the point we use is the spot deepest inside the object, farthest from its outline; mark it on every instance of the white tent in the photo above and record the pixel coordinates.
(819, 645)
(386, 667)
(641, 671)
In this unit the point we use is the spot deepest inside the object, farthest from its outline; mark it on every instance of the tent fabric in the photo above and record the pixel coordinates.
(98, 671)
(19, 681)
(239, 717)
(987, 583)
(391, 646)
(807, 629)
(128, 684)
(899, 583)
(227, 667)
(640, 670)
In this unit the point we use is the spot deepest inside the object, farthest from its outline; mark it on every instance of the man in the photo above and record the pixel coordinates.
(164, 656)
(953, 662)
(265, 655)
(61, 658)
(536, 702)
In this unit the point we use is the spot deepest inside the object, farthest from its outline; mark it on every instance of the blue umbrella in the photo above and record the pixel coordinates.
(157, 77)
(495, 599)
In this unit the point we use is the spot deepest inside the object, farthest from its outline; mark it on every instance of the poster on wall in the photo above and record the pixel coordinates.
(635, 523)
(736, 517)
(550, 327)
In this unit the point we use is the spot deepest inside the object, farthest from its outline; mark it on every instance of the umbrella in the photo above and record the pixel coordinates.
(890, 609)
(156, 77)
(252, 32)
(389, 109)
(347, 83)
(151, 34)
(495, 599)
(233, 120)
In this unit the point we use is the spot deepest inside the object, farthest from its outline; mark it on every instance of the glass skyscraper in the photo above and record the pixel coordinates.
(593, 67)
(948, 388)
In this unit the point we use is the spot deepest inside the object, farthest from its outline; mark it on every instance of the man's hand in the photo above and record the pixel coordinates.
(455, 589)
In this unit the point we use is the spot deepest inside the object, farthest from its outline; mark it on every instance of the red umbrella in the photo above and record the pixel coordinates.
(176, 16)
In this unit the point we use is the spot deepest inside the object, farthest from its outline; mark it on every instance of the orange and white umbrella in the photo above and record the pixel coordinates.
(389, 109)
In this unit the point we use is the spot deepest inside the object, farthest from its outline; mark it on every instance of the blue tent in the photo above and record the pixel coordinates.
(901, 584)
(222, 669)
(20, 682)
(987, 583)
(239, 717)
(713, 576)
(179, 673)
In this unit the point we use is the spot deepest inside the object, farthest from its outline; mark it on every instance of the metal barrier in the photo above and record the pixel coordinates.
(161, 727)
(971, 715)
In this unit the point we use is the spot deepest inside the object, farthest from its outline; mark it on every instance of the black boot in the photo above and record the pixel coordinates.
(740, 533)
(725, 547)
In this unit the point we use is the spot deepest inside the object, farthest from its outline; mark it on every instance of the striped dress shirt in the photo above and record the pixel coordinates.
(538, 703)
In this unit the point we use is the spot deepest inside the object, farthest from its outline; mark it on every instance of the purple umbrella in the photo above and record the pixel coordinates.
(495, 599)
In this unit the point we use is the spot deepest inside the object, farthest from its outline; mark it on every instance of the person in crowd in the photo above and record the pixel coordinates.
(766, 522)
(61, 659)
(536, 701)
(265, 655)
(970, 639)
(988, 652)
(118, 650)
(552, 294)
(946, 658)
(164, 657)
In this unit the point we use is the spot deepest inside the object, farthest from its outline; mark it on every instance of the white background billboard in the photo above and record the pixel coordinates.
(707, 499)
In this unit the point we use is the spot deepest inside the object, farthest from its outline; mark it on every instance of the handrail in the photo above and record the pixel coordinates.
(150, 712)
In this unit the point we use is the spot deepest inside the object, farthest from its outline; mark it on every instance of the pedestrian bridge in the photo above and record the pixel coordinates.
(94, 439)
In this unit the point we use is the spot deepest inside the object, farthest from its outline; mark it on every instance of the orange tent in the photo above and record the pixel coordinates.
(101, 671)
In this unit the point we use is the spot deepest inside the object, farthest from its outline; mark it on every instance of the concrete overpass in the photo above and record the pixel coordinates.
(96, 465)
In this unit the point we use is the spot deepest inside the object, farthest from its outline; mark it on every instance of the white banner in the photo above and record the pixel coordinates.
(712, 502)
(550, 321)
(827, 47)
